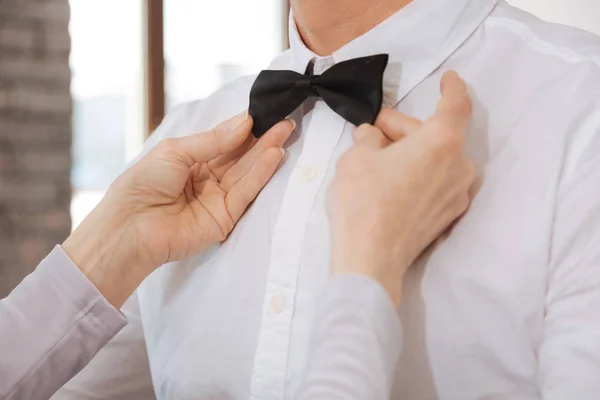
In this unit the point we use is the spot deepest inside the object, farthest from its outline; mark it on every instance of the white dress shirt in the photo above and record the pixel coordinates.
(506, 306)
(56, 320)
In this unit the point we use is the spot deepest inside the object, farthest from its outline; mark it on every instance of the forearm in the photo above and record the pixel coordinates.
(51, 326)
(356, 342)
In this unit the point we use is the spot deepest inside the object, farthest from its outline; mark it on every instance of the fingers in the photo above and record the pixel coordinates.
(203, 147)
(396, 125)
(370, 136)
(274, 138)
(247, 188)
(455, 108)
(220, 165)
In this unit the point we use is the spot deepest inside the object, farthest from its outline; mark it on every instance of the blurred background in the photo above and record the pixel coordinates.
(83, 82)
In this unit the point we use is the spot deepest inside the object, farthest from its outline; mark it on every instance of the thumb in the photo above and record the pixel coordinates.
(455, 108)
(205, 146)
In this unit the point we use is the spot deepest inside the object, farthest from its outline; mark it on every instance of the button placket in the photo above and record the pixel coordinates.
(271, 357)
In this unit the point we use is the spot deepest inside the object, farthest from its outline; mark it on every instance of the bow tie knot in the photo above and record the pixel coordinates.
(304, 85)
(353, 89)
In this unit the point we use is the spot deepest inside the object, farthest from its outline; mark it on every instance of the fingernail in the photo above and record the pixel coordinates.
(282, 152)
(237, 121)
(293, 123)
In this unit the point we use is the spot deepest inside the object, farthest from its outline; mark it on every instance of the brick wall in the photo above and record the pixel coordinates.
(35, 134)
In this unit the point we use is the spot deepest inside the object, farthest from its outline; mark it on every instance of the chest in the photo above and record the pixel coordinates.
(236, 322)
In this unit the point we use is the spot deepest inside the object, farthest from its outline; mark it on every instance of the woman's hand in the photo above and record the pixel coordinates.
(399, 187)
(184, 196)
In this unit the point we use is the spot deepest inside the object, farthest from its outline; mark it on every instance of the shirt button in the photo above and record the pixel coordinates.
(277, 304)
(309, 173)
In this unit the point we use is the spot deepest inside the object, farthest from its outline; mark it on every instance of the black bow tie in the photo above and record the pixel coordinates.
(353, 89)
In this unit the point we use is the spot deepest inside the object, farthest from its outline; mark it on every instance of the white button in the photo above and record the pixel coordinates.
(277, 304)
(309, 173)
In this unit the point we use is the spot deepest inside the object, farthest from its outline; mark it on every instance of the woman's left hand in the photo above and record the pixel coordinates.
(184, 196)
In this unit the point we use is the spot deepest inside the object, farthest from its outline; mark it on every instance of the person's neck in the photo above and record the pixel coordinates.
(327, 25)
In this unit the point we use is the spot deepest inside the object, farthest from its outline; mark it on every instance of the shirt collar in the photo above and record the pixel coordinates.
(418, 39)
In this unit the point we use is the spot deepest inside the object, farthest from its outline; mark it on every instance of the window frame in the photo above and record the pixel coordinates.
(154, 61)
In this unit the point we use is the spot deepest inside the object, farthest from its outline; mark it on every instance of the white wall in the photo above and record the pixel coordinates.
(584, 14)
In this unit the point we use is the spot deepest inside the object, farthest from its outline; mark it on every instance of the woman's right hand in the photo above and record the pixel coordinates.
(399, 187)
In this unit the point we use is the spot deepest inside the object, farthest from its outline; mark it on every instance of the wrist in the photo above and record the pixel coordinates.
(369, 255)
(388, 272)
(101, 249)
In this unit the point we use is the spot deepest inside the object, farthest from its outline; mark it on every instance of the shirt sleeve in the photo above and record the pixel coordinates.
(120, 371)
(51, 326)
(569, 356)
(356, 342)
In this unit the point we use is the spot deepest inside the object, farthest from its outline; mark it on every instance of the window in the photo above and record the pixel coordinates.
(210, 43)
(106, 65)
